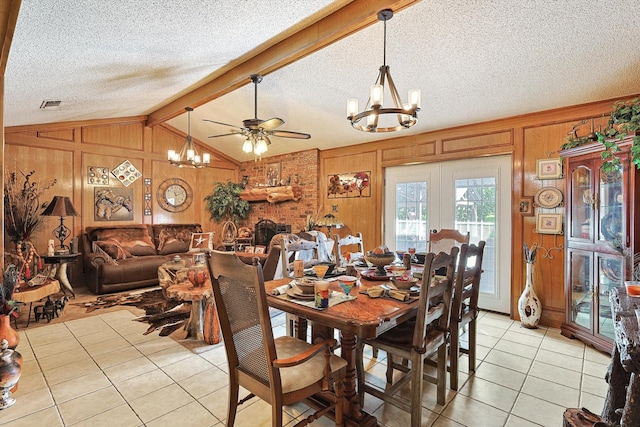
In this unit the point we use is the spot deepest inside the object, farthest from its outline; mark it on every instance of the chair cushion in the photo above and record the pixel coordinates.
(308, 373)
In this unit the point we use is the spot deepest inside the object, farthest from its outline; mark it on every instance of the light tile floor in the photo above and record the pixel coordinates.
(102, 371)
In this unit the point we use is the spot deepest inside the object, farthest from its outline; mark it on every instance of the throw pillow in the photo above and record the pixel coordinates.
(114, 249)
(175, 238)
(201, 242)
(96, 249)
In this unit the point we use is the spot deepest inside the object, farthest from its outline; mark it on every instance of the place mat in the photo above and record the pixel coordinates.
(334, 299)
(292, 292)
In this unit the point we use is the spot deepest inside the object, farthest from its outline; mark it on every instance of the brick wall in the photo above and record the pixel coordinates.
(300, 169)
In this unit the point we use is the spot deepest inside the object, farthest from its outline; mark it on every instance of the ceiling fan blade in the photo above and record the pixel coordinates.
(225, 134)
(220, 123)
(272, 123)
(289, 134)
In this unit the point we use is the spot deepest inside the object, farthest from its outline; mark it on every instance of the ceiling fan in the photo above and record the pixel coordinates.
(257, 131)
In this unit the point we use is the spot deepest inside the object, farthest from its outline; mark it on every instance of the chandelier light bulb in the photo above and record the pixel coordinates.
(261, 146)
(377, 95)
(247, 147)
(414, 98)
(171, 154)
(206, 158)
(352, 107)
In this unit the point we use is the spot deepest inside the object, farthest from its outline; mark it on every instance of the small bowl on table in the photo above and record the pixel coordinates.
(402, 283)
(305, 286)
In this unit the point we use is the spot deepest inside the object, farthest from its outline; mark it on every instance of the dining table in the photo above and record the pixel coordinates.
(357, 319)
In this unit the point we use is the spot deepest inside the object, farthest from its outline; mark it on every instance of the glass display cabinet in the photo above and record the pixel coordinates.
(600, 236)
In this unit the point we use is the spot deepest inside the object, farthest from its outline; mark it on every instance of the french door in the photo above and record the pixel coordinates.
(471, 195)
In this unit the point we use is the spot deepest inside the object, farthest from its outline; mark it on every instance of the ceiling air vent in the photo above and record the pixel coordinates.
(50, 104)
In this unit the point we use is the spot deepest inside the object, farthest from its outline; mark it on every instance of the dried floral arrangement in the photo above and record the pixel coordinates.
(22, 206)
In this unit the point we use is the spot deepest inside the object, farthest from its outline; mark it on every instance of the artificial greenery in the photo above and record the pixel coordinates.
(624, 120)
(225, 204)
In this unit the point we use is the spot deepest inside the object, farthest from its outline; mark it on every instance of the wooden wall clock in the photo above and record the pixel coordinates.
(174, 195)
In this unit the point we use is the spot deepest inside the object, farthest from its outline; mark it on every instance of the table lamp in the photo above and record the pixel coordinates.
(60, 206)
(329, 221)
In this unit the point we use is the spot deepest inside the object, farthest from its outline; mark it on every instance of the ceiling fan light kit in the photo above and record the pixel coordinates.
(256, 132)
(188, 157)
(379, 118)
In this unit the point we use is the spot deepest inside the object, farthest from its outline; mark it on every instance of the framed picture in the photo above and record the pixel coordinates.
(273, 174)
(549, 223)
(201, 242)
(548, 198)
(549, 169)
(526, 206)
(249, 249)
(260, 249)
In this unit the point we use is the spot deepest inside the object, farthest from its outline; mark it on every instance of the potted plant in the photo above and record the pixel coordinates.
(225, 204)
(624, 120)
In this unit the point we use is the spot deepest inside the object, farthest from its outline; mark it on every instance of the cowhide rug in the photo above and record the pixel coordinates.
(160, 313)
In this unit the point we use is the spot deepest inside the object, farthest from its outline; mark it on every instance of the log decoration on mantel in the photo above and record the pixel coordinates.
(272, 194)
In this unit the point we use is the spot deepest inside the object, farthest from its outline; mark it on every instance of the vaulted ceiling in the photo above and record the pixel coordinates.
(474, 60)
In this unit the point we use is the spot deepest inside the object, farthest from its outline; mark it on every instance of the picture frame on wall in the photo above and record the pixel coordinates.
(273, 174)
(549, 223)
(525, 206)
(549, 169)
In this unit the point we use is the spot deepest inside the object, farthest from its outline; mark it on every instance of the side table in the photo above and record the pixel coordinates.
(31, 294)
(60, 262)
(203, 323)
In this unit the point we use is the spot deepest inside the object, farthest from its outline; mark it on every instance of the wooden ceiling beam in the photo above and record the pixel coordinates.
(8, 20)
(297, 43)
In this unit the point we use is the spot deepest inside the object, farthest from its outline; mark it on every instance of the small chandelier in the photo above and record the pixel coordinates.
(406, 114)
(188, 157)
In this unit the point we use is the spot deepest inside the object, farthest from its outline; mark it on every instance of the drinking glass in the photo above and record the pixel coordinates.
(347, 283)
(412, 251)
(320, 270)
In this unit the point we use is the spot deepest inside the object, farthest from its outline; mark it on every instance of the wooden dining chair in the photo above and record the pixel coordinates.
(349, 240)
(464, 309)
(416, 340)
(282, 370)
(445, 239)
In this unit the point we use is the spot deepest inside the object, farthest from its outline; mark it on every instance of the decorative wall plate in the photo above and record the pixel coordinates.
(126, 173)
(548, 198)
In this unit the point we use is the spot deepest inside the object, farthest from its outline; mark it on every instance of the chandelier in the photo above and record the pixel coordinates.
(379, 118)
(188, 157)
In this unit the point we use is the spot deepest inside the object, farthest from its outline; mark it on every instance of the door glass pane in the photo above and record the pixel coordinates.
(581, 203)
(411, 216)
(475, 200)
(610, 274)
(610, 197)
(582, 303)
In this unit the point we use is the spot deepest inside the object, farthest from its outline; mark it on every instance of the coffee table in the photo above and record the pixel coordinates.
(27, 294)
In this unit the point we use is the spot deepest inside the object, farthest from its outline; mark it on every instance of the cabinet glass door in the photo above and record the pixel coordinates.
(582, 204)
(581, 289)
(610, 198)
(610, 274)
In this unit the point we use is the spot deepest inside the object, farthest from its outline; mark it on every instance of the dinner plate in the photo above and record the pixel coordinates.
(297, 294)
(371, 275)
(548, 197)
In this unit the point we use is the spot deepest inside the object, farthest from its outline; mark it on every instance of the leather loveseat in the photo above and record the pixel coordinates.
(123, 257)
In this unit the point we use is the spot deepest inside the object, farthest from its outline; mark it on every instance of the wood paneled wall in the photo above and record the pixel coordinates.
(64, 151)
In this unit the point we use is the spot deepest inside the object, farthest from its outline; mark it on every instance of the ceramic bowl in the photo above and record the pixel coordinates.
(404, 285)
(380, 260)
(305, 286)
(396, 269)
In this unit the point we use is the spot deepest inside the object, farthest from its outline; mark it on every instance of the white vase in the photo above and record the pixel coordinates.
(529, 305)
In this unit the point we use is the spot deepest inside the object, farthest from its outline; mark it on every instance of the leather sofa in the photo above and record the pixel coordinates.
(123, 257)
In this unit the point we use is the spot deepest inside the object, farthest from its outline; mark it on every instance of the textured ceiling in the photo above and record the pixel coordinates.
(474, 60)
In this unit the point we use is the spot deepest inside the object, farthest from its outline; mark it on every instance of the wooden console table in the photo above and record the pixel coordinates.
(621, 406)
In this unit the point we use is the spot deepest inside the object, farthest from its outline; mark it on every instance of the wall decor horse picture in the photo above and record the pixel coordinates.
(113, 204)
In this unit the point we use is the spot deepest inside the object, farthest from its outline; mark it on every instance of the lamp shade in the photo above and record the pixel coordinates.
(329, 220)
(60, 206)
